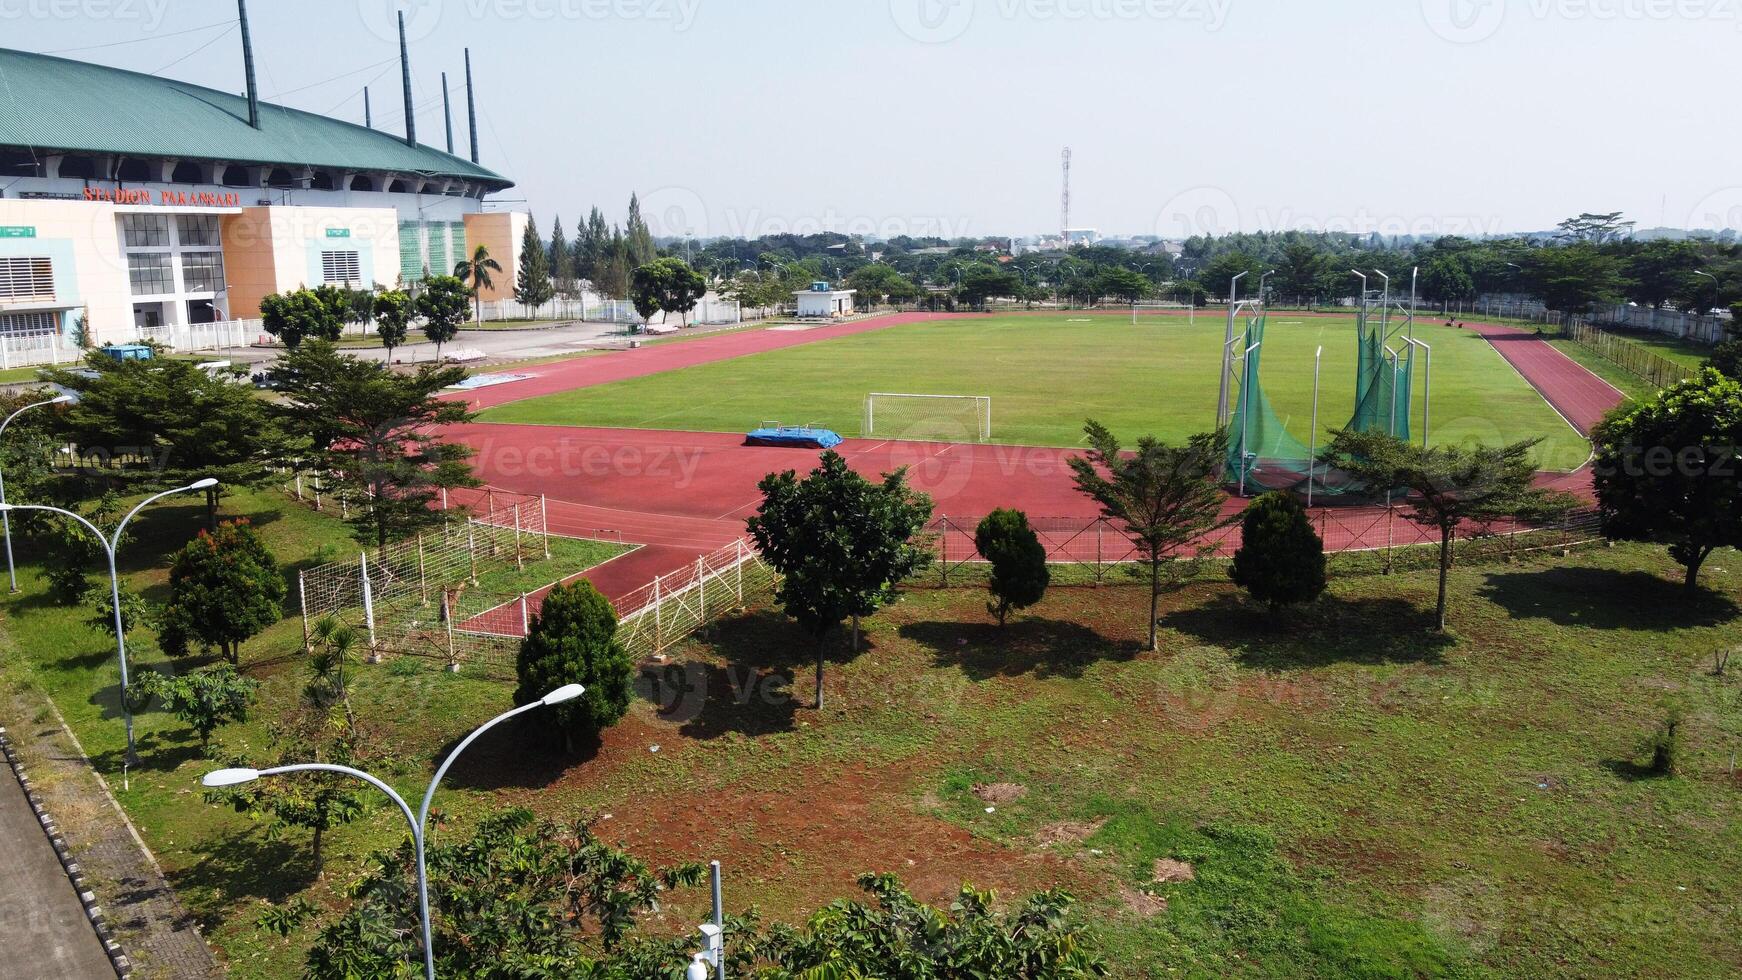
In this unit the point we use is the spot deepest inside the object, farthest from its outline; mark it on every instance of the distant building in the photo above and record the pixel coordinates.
(822, 301)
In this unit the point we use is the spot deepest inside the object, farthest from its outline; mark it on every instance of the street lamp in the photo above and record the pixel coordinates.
(236, 777)
(110, 543)
(1262, 280)
(11, 573)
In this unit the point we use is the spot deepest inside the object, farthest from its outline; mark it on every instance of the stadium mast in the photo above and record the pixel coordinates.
(1065, 201)
(405, 81)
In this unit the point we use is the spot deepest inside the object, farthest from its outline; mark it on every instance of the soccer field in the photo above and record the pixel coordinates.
(1046, 374)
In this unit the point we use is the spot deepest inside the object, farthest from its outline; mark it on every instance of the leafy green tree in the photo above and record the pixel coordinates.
(1019, 574)
(981, 282)
(394, 309)
(145, 424)
(379, 433)
(442, 304)
(1575, 278)
(202, 699)
(841, 544)
(1122, 284)
(1445, 279)
(477, 274)
(1281, 560)
(1656, 271)
(1167, 499)
(1448, 487)
(876, 284)
(666, 285)
(135, 611)
(562, 261)
(73, 551)
(224, 588)
(532, 285)
(1221, 270)
(1666, 470)
(573, 640)
(302, 313)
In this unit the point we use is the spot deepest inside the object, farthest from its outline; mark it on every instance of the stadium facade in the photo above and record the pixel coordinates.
(136, 203)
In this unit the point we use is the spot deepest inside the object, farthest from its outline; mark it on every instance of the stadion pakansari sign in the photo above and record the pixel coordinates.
(17, 231)
(165, 198)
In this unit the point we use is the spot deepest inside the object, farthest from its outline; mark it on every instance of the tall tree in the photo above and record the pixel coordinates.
(378, 431)
(442, 304)
(841, 544)
(478, 273)
(393, 312)
(562, 263)
(1667, 470)
(640, 237)
(532, 285)
(1165, 498)
(1448, 487)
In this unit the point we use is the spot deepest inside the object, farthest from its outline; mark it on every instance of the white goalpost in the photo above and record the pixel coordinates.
(938, 418)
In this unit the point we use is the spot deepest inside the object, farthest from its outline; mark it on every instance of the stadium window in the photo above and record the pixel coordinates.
(145, 230)
(236, 177)
(280, 177)
(197, 230)
(137, 170)
(82, 167)
(29, 277)
(338, 268)
(25, 324)
(19, 163)
(149, 273)
(321, 181)
(398, 187)
(362, 183)
(188, 172)
(202, 272)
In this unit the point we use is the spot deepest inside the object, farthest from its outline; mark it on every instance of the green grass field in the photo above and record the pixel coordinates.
(1046, 374)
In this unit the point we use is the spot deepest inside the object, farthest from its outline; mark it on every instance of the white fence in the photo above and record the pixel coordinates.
(669, 609)
(600, 309)
(217, 335)
(25, 348)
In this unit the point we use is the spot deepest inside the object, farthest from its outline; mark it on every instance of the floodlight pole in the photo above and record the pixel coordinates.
(6, 517)
(1385, 307)
(110, 543)
(1245, 409)
(1313, 435)
(1227, 354)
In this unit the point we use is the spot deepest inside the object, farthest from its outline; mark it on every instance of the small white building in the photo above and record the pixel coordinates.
(821, 301)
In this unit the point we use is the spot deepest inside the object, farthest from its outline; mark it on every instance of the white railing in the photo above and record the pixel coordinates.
(669, 609)
(217, 335)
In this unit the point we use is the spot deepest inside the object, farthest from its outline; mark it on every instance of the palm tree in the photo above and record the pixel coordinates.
(476, 274)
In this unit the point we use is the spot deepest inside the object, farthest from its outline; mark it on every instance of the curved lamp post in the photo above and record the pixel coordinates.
(11, 574)
(235, 777)
(110, 543)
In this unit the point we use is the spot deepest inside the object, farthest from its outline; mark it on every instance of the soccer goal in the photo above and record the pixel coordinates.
(930, 418)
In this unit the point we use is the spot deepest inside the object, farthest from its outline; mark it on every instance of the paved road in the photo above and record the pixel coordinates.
(46, 934)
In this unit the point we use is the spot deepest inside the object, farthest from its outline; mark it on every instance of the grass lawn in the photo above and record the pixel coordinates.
(1687, 353)
(1045, 374)
(1356, 796)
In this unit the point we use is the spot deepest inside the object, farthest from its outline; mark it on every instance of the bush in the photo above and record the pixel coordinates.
(1281, 560)
(224, 588)
(1664, 745)
(573, 640)
(1019, 573)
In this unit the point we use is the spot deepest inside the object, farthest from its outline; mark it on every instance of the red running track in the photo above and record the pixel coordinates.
(683, 494)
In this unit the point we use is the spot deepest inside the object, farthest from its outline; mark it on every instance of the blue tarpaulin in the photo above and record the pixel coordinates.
(802, 436)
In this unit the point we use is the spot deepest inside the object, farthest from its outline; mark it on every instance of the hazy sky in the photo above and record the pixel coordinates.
(743, 117)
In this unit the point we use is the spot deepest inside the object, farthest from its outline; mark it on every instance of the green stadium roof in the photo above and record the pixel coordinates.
(56, 103)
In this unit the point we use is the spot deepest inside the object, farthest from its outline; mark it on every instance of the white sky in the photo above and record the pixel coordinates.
(947, 116)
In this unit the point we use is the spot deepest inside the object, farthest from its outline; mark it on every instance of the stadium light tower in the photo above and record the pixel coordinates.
(1227, 355)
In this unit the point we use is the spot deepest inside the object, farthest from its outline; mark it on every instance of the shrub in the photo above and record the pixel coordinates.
(1664, 745)
(224, 588)
(1019, 573)
(202, 700)
(573, 640)
(1281, 560)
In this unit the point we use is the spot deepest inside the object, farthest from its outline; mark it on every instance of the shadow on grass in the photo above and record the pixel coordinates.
(516, 755)
(1602, 598)
(246, 864)
(1331, 630)
(1631, 771)
(1039, 646)
(752, 692)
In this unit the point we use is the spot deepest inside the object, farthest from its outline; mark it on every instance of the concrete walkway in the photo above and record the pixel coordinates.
(47, 934)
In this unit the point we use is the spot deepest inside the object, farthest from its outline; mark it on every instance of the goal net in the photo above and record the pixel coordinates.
(928, 418)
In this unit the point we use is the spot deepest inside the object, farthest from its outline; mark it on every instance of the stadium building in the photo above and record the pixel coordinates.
(148, 207)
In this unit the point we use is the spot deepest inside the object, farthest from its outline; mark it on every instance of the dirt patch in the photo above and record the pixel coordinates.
(999, 792)
(1141, 902)
(1168, 871)
(1067, 832)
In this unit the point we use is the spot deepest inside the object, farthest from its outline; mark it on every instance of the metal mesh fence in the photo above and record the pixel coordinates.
(1625, 353)
(671, 607)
